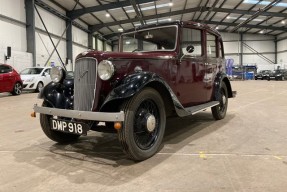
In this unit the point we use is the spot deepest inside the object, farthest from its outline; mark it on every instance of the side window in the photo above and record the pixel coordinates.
(5, 69)
(191, 37)
(47, 71)
(211, 45)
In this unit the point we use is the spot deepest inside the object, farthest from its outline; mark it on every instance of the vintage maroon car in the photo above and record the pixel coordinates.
(159, 71)
(10, 80)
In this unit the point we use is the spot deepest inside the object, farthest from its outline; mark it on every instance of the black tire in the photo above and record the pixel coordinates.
(17, 89)
(219, 111)
(39, 87)
(59, 137)
(144, 125)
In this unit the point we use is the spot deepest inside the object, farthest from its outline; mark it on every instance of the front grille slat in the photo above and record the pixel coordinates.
(85, 84)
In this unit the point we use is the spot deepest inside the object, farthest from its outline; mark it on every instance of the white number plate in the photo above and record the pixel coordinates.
(69, 127)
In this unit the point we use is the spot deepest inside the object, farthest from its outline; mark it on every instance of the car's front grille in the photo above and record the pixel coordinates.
(85, 84)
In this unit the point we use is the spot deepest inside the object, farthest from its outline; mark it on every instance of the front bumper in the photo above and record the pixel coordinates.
(29, 86)
(85, 115)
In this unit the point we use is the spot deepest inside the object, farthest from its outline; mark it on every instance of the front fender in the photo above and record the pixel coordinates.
(58, 95)
(134, 83)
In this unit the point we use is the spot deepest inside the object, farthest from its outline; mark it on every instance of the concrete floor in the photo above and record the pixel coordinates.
(247, 151)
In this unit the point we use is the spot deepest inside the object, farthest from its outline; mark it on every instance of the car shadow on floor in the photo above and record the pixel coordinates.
(100, 154)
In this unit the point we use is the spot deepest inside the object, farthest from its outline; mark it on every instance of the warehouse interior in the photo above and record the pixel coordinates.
(245, 151)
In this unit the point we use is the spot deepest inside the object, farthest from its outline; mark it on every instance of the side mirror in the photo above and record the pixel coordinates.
(190, 48)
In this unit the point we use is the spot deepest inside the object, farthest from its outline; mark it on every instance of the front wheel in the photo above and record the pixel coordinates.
(144, 125)
(219, 111)
(57, 136)
(39, 87)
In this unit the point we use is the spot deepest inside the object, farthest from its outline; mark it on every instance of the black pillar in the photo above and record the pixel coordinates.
(241, 50)
(30, 29)
(69, 41)
(90, 41)
(276, 50)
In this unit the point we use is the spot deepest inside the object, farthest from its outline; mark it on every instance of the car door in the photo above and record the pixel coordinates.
(215, 59)
(7, 78)
(191, 69)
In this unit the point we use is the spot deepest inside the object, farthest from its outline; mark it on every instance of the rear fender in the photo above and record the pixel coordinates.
(220, 78)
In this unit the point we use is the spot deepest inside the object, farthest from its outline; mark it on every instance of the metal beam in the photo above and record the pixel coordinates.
(246, 25)
(259, 12)
(96, 27)
(138, 13)
(69, 41)
(79, 12)
(30, 29)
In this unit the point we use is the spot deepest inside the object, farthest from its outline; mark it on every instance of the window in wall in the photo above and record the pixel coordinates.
(211, 45)
(191, 37)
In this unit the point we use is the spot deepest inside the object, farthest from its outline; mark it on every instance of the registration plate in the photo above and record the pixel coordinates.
(69, 127)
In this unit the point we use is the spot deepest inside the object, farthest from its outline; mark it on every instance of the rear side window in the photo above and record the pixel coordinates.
(191, 37)
(211, 45)
(5, 69)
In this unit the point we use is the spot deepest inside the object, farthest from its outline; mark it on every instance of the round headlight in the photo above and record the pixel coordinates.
(56, 74)
(106, 69)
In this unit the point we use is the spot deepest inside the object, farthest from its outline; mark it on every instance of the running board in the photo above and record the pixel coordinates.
(198, 108)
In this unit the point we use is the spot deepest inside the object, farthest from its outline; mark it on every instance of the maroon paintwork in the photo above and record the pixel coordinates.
(191, 79)
(8, 78)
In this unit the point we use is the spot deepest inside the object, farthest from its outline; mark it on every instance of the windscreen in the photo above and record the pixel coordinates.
(154, 39)
(31, 71)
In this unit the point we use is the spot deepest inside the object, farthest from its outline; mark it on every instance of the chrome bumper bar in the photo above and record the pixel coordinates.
(86, 115)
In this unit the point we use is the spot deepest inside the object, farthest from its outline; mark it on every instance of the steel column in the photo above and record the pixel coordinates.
(69, 41)
(30, 29)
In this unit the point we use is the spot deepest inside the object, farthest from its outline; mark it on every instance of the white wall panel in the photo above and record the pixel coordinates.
(259, 46)
(80, 36)
(14, 9)
(54, 24)
(44, 48)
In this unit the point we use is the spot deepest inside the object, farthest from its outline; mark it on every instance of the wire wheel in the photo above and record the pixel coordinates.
(144, 124)
(219, 111)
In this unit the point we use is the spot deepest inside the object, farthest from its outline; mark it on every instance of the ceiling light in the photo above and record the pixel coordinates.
(283, 22)
(120, 29)
(261, 32)
(128, 42)
(108, 15)
(217, 28)
(228, 17)
(131, 10)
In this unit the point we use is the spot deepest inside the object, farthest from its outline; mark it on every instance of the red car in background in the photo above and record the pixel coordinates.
(10, 80)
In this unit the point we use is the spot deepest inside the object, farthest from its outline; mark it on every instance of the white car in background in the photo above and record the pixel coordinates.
(35, 78)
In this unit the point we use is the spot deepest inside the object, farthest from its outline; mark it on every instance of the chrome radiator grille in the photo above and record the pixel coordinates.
(85, 84)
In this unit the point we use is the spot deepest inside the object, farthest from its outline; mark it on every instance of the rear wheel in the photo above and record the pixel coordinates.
(144, 125)
(219, 111)
(60, 137)
(17, 89)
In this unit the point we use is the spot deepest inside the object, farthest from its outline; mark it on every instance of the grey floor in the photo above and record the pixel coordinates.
(247, 151)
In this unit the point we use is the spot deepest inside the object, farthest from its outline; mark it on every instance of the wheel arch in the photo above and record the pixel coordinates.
(222, 78)
(129, 88)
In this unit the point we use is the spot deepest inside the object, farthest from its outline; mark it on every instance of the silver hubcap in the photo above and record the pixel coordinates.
(17, 88)
(150, 123)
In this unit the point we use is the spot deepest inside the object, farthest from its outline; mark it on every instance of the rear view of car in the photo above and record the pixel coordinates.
(10, 80)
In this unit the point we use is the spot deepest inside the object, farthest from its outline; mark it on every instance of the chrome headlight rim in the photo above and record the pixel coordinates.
(106, 70)
(57, 74)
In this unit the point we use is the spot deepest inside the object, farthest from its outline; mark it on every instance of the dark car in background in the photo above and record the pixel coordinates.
(263, 74)
(10, 80)
(279, 74)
